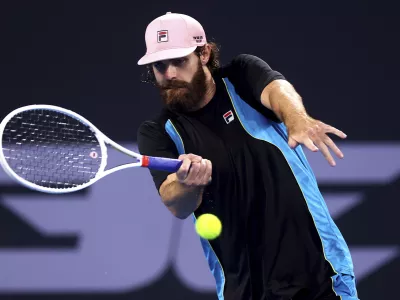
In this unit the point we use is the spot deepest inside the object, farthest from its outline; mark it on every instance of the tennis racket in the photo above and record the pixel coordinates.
(54, 150)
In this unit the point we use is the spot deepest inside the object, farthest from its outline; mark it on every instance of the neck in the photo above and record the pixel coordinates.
(210, 90)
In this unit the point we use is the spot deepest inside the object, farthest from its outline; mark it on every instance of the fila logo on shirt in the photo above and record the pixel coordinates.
(228, 117)
(162, 36)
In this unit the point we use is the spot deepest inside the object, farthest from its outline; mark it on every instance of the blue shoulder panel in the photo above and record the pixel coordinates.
(259, 127)
(212, 259)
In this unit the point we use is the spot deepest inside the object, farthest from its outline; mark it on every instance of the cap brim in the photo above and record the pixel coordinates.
(165, 54)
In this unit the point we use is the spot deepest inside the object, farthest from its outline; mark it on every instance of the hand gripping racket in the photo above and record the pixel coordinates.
(54, 150)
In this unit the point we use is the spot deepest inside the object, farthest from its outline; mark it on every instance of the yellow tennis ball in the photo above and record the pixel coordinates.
(208, 226)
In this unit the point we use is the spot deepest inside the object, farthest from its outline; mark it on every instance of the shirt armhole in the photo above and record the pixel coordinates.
(153, 140)
(250, 75)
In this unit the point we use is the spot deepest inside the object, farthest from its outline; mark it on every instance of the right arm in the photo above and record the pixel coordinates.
(181, 192)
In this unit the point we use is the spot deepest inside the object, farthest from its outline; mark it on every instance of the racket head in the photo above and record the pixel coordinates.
(50, 170)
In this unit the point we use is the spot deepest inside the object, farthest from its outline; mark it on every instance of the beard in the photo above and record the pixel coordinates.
(181, 96)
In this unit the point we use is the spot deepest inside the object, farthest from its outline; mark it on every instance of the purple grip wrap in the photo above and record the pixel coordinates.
(164, 164)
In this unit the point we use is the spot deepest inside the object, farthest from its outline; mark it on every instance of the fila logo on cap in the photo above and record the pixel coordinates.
(162, 36)
(228, 117)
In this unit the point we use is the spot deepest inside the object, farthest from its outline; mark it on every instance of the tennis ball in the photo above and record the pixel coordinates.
(208, 226)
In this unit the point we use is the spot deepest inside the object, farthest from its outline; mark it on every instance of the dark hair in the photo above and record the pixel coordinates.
(213, 63)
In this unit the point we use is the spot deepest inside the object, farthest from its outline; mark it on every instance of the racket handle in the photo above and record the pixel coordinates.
(161, 163)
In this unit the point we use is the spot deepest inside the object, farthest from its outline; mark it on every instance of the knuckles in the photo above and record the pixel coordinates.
(195, 171)
(192, 157)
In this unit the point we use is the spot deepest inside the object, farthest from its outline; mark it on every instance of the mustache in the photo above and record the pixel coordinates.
(174, 84)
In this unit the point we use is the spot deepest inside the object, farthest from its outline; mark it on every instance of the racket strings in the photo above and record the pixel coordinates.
(51, 149)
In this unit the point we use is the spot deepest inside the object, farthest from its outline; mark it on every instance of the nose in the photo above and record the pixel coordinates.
(170, 72)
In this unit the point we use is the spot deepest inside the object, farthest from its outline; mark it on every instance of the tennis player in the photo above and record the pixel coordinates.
(239, 130)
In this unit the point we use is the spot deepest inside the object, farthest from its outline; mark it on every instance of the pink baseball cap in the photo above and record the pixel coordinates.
(171, 36)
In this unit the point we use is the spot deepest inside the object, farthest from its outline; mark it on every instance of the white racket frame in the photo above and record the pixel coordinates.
(102, 139)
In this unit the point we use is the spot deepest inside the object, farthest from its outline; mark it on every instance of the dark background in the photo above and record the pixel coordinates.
(343, 58)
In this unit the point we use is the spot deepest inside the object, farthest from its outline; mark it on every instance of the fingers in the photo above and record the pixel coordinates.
(324, 144)
(192, 177)
(339, 133)
(187, 160)
(207, 173)
(333, 146)
(192, 157)
(316, 143)
(292, 143)
(306, 141)
(182, 173)
(310, 145)
(325, 152)
(199, 174)
(194, 171)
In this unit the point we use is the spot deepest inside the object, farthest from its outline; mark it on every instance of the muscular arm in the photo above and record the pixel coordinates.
(259, 85)
(281, 97)
(182, 192)
(180, 199)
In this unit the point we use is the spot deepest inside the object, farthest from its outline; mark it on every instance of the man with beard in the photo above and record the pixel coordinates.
(238, 130)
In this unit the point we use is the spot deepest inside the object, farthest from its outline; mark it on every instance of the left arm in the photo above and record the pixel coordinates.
(267, 91)
(281, 97)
